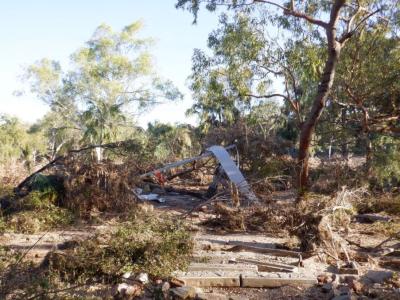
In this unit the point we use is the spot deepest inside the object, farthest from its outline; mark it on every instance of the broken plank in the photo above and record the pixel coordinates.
(277, 252)
(264, 266)
(274, 282)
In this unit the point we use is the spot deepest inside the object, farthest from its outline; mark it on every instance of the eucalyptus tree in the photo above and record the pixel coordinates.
(178, 141)
(60, 132)
(327, 24)
(111, 77)
(368, 86)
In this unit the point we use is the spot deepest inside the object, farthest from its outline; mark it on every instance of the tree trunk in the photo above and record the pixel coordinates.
(324, 87)
(308, 127)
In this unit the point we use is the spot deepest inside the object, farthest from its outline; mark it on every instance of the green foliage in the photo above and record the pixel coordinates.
(37, 211)
(222, 85)
(37, 220)
(168, 141)
(386, 162)
(18, 142)
(112, 76)
(148, 244)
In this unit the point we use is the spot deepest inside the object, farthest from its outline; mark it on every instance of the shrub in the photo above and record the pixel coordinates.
(146, 244)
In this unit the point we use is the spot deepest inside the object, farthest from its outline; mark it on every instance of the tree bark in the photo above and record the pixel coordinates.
(324, 87)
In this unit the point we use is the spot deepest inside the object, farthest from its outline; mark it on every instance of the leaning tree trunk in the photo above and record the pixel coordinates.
(324, 87)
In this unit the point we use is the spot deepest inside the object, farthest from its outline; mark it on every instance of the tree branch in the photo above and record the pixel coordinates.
(295, 13)
(350, 33)
(17, 190)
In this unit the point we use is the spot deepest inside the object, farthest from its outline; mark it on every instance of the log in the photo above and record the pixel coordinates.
(372, 218)
(277, 252)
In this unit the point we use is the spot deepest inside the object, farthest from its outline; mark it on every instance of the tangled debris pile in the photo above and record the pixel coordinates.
(143, 244)
(98, 186)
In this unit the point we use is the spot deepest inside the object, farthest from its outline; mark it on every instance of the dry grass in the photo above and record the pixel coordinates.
(146, 243)
(376, 203)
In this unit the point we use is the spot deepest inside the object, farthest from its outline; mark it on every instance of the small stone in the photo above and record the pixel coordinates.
(176, 282)
(146, 189)
(158, 281)
(327, 287)
(127, 275)
(133, 290)
(122, 288)
(203, 208)
(143, 278)
(353, 284)
(183, 292)
(357, 287)
(344, 290)
(379, 276)
(206, 247)
(322, 279)
(129, 291)
(165, 287)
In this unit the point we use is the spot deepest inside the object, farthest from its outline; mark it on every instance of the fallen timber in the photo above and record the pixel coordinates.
(183, 162)
(226, 166)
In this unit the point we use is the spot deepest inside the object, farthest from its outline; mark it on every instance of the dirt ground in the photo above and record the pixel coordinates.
(212, 245)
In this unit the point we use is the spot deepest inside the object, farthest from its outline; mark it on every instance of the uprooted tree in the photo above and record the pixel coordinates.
(324, 24)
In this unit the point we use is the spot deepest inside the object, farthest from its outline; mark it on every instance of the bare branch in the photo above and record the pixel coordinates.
(264, 96)
(295, 13)
(350, 33)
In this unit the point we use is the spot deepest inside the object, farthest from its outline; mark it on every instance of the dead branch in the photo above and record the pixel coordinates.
(19, 187)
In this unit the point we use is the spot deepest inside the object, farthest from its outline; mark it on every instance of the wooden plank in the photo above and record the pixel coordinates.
(221, 267)
(274, 282)
(211, 281)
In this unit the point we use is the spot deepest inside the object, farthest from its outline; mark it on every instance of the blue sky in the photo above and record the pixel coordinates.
(31, 30)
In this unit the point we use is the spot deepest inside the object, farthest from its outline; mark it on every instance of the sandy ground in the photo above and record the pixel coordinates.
(211, 246)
